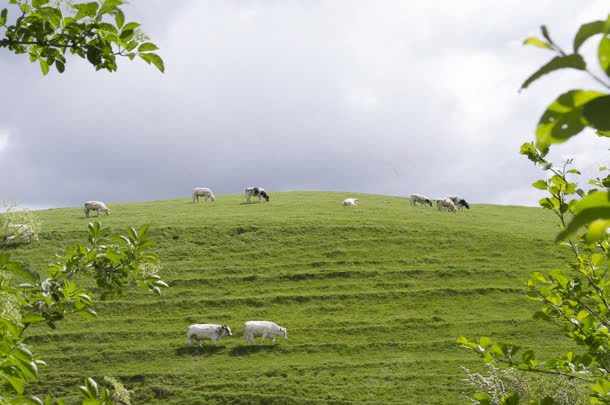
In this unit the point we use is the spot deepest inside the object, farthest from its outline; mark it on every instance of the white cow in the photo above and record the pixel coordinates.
(418, 198)
(203, 192)
(264, 329)
(446, 203)
(350, 201)
(96, 206)
(210, 331)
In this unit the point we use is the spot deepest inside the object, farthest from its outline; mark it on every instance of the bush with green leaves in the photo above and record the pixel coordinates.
(499, 383)
(576, 298)
(115, 262)
(96, 30)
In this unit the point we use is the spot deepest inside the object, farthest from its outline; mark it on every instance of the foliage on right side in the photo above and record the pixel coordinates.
(576, 298)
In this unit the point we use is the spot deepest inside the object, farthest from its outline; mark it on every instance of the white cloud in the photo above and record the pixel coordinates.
(4, 139)
(286, 95)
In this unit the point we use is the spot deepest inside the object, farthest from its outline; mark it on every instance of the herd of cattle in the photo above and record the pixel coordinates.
(451, 204)
(252, 329)
(266, 329)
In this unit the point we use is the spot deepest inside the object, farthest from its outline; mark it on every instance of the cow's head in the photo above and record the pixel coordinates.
(213, 198)
(464, 203)
(284, 332)
(226, 330)
(428, 202)
(265, 196)
(107, 211)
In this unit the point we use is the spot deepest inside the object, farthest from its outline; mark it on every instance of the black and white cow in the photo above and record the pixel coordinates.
(459, 202)
(256, 192)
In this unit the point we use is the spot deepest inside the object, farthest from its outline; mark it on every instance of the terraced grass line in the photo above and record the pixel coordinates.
(373, 297)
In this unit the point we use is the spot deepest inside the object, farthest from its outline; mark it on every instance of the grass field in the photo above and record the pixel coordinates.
(373, 298)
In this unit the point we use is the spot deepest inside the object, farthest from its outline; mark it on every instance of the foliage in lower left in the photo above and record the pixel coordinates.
(113, 261)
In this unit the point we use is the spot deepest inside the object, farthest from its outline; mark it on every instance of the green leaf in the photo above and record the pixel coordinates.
(18, 383)
(573, 61)
(586, 31)
(38, 3)
(537, 42)
(147, 47)
(563, 118)
(545, 33)
(23, 270)
(592, 207)
(88, 313)
(154, 59)
(597, 113)
(85, 10)
(60, 66)
(510, 399)
(130, 26)
(483, 398)
(108, 6)
(3, 15)
(92, 387)
(94, 55)
(119, 17)
(44, 66)
(603, 133)
(32, 317)
(108, 28)
(597, 230)
(603, 54)
(540, 184)
(126, 35)
(485, 342)
(11, 327)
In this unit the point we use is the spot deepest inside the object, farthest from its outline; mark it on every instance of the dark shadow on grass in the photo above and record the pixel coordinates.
(198, 351)
(247, 350)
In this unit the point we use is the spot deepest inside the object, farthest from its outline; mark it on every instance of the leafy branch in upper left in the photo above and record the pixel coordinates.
(95, 31)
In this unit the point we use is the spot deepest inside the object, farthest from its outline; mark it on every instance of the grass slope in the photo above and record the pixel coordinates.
(373, 297)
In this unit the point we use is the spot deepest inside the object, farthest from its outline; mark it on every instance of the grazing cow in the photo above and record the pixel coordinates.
(350, 201)
(446, 203)
(418, 198)
(203, 192)
(459, 202)
(210, 331)
(264, 329)
(256, 192)
(96, 206)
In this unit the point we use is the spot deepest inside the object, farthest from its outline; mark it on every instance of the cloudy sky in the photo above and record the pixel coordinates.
(390, 97)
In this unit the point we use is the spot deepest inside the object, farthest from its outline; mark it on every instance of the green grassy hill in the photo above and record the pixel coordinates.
(373, 298)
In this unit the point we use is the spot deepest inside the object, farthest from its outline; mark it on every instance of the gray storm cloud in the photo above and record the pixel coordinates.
(385, 97)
